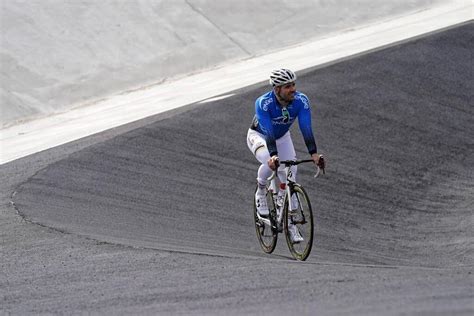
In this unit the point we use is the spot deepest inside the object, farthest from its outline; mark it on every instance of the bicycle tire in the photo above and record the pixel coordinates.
(267, 234)
(303, 219)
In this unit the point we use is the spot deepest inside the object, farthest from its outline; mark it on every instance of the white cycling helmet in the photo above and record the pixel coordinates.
(281, 77)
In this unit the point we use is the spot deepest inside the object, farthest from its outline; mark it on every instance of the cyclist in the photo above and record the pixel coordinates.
(269, 137)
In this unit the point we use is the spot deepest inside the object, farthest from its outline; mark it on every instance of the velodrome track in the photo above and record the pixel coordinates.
(104, 215)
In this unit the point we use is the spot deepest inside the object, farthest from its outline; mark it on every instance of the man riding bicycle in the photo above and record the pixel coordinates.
(269, 137)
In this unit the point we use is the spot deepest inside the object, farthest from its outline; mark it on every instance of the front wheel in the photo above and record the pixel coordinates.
(299, 217)
(267, 233)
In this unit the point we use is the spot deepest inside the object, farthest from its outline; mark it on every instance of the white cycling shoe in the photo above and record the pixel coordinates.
(295, 235)
(261, 203)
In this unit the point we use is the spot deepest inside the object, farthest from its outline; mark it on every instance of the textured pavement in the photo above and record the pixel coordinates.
(155, 217)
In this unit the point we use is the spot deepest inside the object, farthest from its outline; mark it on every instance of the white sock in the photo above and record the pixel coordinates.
(261, 189)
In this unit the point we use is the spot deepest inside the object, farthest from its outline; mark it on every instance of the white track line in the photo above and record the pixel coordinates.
(31, 137)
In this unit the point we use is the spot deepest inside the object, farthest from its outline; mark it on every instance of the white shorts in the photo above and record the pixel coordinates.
(258, 146)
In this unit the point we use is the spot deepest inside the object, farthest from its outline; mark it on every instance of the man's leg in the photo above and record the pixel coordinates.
(286, 151)
(258, 147)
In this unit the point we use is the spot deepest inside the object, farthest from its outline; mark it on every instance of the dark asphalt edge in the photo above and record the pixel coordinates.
(384, 47)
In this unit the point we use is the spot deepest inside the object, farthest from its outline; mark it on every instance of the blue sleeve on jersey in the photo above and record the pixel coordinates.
(304, 121)
(265, 124)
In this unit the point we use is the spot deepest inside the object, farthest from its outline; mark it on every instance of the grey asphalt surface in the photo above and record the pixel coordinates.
(155, 217)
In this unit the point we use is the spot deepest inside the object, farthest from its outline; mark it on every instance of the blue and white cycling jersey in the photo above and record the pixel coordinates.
(273, 121)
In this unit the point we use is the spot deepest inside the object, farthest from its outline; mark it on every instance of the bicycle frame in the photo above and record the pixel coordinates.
(273, 188)
(293, 217)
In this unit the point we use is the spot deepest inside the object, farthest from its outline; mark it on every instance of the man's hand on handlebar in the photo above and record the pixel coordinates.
(274, 162)
(319, 161)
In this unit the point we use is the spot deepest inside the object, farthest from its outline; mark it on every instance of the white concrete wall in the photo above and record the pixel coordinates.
(56, 54)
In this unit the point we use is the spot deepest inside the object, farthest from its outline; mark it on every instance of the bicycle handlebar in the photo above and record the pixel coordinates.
(294, 162)
(289, 163)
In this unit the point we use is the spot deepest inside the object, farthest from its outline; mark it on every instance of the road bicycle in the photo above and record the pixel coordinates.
(288, 204)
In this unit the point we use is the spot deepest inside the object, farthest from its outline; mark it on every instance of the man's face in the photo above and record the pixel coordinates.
(286, 92)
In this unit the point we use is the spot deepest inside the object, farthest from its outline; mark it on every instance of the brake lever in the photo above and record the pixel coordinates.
(321, 159)
(317, 171)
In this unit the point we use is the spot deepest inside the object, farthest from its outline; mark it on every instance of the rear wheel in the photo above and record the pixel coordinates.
(301, 216)
(267, 232)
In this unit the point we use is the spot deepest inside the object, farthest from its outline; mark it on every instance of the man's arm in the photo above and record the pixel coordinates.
(265, 122)
(304, 121)
(306, 130)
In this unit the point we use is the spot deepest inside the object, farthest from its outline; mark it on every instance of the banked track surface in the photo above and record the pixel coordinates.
(393, 213)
